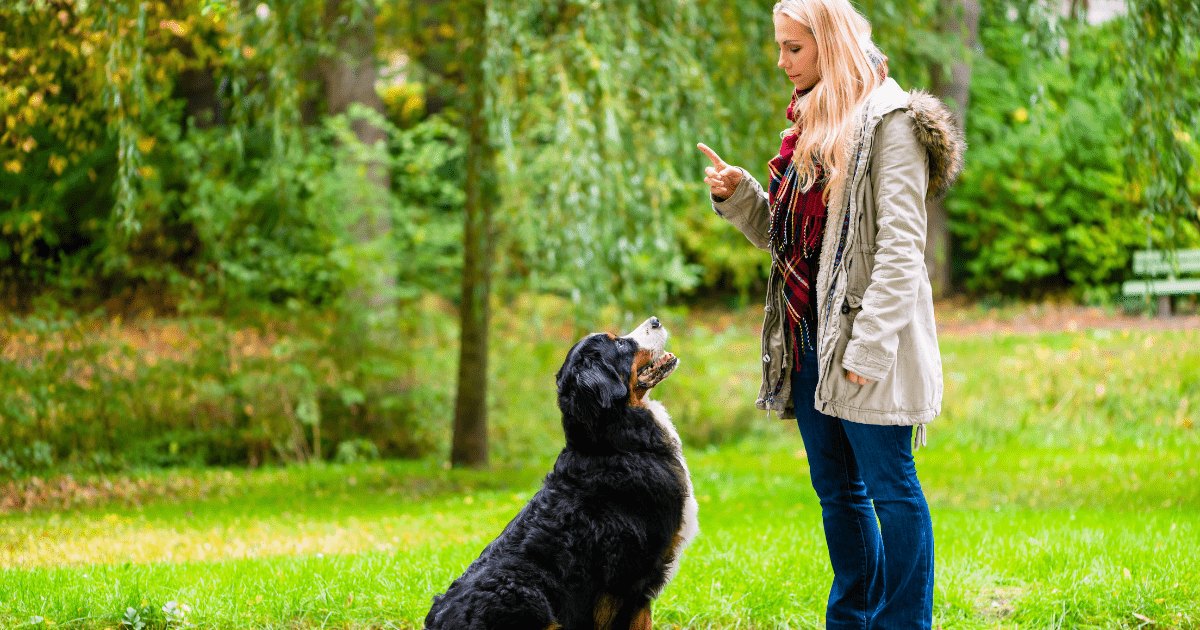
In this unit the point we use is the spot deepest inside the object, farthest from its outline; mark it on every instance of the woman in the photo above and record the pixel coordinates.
(849, 343)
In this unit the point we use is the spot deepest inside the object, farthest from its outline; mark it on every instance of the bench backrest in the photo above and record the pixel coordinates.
(1163, 263)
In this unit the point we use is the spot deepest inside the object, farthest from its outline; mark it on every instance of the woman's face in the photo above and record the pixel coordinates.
(797, 52)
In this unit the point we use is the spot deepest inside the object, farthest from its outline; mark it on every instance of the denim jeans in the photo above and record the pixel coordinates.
(882, 571)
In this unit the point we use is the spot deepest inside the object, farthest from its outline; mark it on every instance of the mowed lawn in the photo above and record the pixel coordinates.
(1062, 478)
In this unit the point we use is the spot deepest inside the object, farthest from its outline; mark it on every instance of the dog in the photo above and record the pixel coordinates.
(603, 536)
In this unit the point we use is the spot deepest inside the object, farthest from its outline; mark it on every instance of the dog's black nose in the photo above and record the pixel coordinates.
(654, 323)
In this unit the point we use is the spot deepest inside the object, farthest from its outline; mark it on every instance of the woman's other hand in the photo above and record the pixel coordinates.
(722, 179)
(854, 378)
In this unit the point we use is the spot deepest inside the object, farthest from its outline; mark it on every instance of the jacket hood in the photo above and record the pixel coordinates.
(935, 127)
(941, 135)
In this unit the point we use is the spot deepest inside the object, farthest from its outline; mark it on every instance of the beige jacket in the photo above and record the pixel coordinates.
(874, 300)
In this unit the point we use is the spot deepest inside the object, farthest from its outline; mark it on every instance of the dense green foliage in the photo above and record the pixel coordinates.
(1164, 105)
(109, 191)
(94, 395)
(1045, 204)
(123, 189)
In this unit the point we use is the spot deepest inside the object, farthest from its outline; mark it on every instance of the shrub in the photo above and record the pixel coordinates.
(1043, 205)
(83, 393)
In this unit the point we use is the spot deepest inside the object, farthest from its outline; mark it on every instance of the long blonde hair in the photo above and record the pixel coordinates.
(847, 77)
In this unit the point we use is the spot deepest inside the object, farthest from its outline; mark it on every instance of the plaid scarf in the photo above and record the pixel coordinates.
(798, 221)
(797, 224)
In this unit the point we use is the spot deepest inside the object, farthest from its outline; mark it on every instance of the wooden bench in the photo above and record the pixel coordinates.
(1153, 264)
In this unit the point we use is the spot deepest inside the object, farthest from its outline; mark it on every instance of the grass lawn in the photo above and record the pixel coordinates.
(1062, 478)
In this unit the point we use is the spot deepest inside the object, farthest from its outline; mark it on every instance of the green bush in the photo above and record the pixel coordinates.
(87, 394)
(1043, 205)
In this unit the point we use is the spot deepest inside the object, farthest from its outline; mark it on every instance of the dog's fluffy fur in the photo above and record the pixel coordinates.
(603, 536)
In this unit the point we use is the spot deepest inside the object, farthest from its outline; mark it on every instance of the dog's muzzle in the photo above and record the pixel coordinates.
(652, 336)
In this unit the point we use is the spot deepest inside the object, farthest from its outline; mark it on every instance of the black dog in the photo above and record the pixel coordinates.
(603, 536)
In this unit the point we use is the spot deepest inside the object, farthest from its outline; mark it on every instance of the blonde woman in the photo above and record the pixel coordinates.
(849, 345)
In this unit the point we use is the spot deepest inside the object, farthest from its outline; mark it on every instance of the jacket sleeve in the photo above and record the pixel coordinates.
(899, 181)
(748, 211)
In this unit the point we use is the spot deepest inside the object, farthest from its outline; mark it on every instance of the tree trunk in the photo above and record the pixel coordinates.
(349, 78)
(470, 412)
(196, 86)
(959, 17)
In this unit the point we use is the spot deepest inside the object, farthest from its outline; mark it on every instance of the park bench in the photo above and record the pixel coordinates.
(1151, 265)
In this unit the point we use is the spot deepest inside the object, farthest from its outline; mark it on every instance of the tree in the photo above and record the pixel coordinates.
(349, 77)
(960, 19)
(470, 411)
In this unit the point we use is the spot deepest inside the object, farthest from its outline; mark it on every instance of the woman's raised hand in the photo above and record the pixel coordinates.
(722, 179)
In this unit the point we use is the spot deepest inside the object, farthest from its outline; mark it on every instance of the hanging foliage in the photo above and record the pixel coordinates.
(595, 105)
(1162, 103)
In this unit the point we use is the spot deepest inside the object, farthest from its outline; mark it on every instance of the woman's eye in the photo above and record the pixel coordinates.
(795, 50)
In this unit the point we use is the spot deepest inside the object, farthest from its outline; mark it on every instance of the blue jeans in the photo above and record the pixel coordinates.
(882, 572)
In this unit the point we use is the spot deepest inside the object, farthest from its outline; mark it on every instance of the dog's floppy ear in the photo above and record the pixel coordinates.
(589, 382)
(600, 381)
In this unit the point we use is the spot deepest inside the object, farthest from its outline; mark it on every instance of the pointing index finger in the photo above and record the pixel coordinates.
(712, 156)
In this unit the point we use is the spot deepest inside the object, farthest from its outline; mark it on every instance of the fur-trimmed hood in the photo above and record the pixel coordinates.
(942, 136)
(934, 125)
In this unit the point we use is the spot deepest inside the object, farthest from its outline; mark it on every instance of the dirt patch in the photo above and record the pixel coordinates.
(958, 319)
(997, 602)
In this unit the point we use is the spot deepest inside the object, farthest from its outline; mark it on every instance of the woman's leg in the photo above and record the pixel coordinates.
(851, 533)
(887, 468)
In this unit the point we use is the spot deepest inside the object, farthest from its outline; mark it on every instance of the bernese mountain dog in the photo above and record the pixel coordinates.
(604, 535)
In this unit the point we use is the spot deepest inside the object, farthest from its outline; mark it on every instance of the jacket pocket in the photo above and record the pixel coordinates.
(859, 264)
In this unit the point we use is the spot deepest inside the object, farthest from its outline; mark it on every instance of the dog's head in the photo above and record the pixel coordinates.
(604, 375)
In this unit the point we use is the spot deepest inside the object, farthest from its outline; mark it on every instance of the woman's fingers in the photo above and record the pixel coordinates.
(860, 380)
(712, 156)
(721, 178)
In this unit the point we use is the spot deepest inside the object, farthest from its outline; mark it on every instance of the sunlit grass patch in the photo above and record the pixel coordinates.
(759, 562)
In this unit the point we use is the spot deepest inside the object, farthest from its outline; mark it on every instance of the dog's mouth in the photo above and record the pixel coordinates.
(657, 370)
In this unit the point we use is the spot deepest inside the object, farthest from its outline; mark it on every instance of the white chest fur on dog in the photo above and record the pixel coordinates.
(652, 336)
(691, 509)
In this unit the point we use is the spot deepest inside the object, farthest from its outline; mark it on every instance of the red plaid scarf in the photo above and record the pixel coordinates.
(797, 224)
(798, 221)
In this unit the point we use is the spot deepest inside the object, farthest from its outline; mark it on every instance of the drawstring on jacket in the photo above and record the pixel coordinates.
(919, 437)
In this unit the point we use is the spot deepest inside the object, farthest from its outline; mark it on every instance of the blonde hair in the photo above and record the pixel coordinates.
(847, 77)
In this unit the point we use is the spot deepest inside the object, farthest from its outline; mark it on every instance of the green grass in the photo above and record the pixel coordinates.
(1057, 503)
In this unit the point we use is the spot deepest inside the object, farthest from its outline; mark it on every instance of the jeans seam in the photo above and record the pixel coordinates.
(842, 442)
(927, 565)
(909, 485)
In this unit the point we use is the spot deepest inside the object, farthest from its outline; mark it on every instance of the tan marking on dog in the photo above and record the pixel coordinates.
(670, 554)
(605, 611)
(643, 620)
(636, 391)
